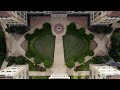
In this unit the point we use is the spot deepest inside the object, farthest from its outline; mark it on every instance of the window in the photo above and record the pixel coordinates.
(98, 75)
(94, 76)
(99, 13)
(8, 71)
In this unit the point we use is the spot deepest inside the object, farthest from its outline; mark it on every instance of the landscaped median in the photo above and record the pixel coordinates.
(76, 45)
(41, 45)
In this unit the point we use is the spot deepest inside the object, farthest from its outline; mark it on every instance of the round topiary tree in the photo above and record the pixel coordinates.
(28, 37)
(10, 59)
(90, 52)
(70, 63)
(20, 60)
(82, 30)
(90, 36)
(81, 60)
(37, 59)
(48, 63)
(47, 26)
(71, 26)
(29, 54)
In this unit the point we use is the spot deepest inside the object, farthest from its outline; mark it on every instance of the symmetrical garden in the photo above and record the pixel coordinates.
(41, 45)
(76, 44)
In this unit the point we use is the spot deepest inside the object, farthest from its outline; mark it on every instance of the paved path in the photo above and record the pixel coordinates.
(37, 73)
(59, 62)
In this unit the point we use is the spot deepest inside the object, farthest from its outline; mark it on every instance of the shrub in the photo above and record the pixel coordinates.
(2, 56)
(115, 49)
(90, 52)
(2, 46)
(8, 30)
(101, 29)
(41, 69)
(37, 59)
(29, 54)
(17, 29)
(48, 63)
(82, 30)
(10, 59)
(81, 60)
(47, 26)
(71, 26)
(28, 36)
(20, 60)
(90, 36)
(70, 63)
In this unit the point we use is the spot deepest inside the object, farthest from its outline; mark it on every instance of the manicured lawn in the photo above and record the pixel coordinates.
(39, 77)
(41, 45)
(45, 45)
(74, 46)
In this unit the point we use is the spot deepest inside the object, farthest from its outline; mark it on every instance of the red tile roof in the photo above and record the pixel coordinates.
(4, 14)
(113, 13)
(114, 77)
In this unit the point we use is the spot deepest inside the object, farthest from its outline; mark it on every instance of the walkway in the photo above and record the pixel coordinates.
(37, 73)
(59, 62)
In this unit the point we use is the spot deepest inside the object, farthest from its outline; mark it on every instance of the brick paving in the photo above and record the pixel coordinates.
(24, 45)
(34, 21)
(17, 36)
(17, 53)
(81, 20)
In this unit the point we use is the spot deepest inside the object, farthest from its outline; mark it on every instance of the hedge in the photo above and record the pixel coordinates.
(70, 63)
(48, 63)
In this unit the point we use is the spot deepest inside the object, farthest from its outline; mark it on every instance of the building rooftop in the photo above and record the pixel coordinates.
(11, 71)
(107, 70)
(113, 13)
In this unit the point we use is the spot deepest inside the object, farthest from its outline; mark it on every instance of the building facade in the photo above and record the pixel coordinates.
(15, 72)
(100, 71)
(104, 17)
(14, 17)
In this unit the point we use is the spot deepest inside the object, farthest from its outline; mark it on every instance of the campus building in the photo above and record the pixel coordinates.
(14, 17)
(100, 71)
(104, 17)
(15, 72)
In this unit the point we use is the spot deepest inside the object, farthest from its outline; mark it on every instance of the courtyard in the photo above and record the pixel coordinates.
(56, 48)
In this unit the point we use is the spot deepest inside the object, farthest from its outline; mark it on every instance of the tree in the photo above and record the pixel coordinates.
(81, 60)
(48, 63)
(90, 52)
(71, 26)
(47, 26)
(20, 60)
(101, 29)
(90, 36)
(8, 30)
(82, 31)
(29, 53)
(70, 63)
(10, 59)
(28, 37)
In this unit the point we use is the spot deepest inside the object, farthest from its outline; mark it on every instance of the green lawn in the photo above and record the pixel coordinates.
(39, 77)
(74, 46)
(41, 45)
(45, 45)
